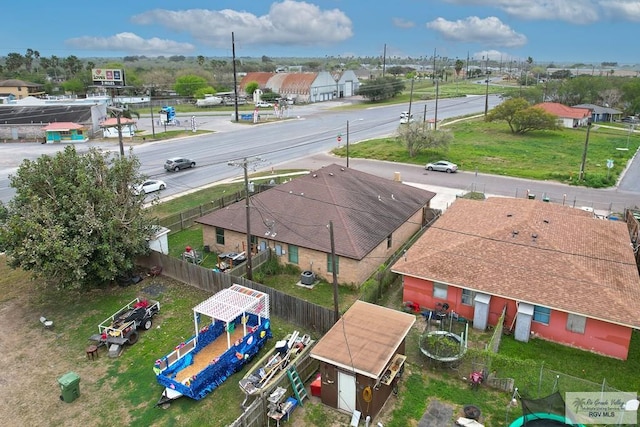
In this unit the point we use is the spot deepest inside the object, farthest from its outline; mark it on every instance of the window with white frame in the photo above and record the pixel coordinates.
(541, 314)
(439, 290)
(467, 297)
(576, 323)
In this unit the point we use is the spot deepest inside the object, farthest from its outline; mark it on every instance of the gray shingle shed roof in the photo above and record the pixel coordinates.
(575, 263)
(365, 210)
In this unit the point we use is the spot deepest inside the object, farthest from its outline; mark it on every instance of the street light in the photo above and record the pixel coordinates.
(584, 152)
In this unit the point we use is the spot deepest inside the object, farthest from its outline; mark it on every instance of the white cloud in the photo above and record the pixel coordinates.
(132, 44)
(573, 11)
(622, 9)
(489, 31)
(287, 23)
(402, 23)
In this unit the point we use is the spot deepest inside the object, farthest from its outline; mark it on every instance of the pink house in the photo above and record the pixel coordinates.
(560, 273)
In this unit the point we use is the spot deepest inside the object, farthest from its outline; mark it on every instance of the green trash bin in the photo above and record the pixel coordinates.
(69, 387)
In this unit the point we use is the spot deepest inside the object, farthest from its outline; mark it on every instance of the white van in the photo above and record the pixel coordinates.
(405, 117)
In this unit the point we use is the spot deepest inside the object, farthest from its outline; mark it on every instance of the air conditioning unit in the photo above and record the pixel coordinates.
(307, 277)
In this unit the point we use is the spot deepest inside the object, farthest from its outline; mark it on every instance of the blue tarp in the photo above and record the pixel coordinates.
(221, 368)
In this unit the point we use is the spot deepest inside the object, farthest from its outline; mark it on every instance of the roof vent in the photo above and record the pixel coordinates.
(546, 221)
(514, 233)
(509, 215)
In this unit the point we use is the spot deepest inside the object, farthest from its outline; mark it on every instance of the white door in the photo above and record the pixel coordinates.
(346, 392)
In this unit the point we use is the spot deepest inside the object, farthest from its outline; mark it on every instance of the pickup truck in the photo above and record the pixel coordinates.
(123, 326)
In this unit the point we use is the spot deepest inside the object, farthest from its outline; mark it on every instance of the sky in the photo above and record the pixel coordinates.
(559, 31)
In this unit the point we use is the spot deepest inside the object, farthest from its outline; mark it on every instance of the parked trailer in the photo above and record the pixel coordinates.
(122, 327)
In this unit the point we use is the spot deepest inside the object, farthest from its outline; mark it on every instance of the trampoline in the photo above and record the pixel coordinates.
(542, 419)
(544, 412)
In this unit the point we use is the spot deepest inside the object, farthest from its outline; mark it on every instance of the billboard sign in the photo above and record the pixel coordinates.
(107, 77)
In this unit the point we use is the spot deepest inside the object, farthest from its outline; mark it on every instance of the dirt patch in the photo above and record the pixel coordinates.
(29, 378)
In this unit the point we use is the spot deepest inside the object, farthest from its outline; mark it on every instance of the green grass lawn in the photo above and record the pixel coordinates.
(542, 155)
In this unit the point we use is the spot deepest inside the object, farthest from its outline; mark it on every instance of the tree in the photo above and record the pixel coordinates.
(188, 84)
(381, 88)
(507, 110)
(200, 60)
(200, 93)
(74, 221)
(251, 87)
(13, 62)
(458, 67)
(74, 86)
(534, 118)
(416, 137)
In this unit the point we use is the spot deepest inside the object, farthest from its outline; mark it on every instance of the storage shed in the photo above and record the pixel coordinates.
(362, 358)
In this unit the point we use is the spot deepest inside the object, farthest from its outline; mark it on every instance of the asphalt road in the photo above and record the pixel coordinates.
(311, 129)
(305, 140)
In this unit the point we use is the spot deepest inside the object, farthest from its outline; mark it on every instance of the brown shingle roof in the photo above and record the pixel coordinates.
(576, 263)
(364, 208)
(364, 338)
(18, 83)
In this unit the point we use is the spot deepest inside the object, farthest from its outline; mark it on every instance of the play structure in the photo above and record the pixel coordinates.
(238, 328)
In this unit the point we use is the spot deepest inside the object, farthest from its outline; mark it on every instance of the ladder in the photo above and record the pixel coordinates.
(297, 384)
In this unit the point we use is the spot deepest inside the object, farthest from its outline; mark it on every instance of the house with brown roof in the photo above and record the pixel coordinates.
(559, 273)
(362, 358)
(20, 89)
(372, 218)
(568, 117)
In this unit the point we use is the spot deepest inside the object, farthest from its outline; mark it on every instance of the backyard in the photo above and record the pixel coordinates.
(124, 388)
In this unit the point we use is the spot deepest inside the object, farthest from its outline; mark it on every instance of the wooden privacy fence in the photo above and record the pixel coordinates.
(311, 316)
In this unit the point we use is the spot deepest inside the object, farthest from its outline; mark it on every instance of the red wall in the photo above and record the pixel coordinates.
(600, 337)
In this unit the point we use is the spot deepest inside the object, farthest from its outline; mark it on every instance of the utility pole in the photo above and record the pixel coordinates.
(410, 100)
(435, 114)
(244, 164)
(486, 94)
(153, 127)
(434, 65)
(336, 313)
(348, 143)
(118, 112)
(584, 152)
(235, 76)
(384, 59)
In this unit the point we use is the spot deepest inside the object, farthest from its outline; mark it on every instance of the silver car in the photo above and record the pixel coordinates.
(177, 163)
(442, 166)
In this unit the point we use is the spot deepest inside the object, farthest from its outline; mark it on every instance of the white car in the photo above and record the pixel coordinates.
(405, 117)
(149, 186)
(264, 104)
(442, 166)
